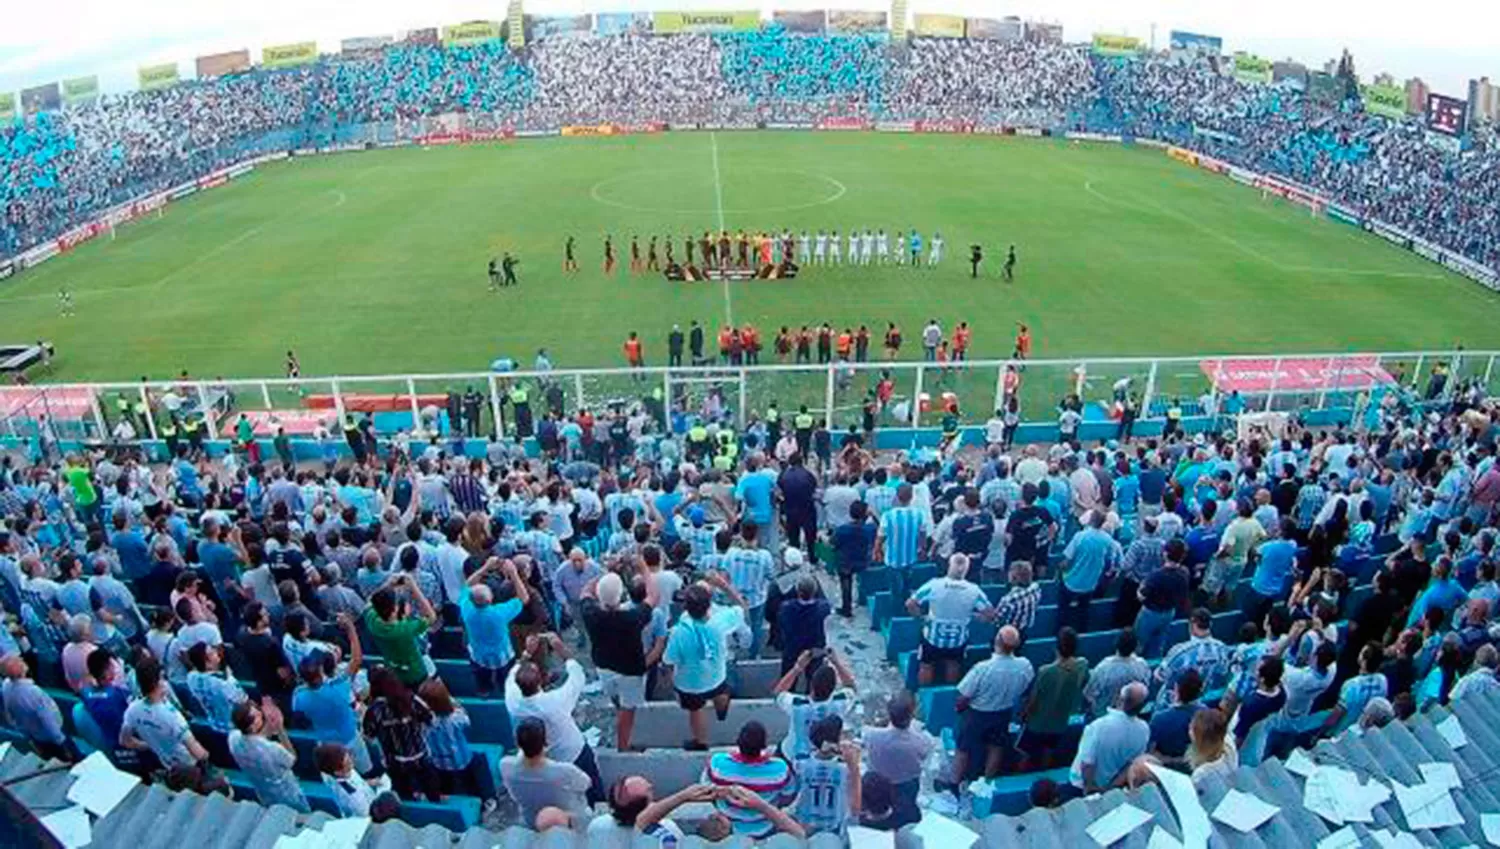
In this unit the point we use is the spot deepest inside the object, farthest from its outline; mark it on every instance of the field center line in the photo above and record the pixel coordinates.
(713, 142)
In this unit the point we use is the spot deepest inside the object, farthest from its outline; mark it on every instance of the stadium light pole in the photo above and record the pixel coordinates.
(744, 397)
(1489, 366)
(338, 400)
(1150, 393)
(578, 391)
(150, 416)
(494, 401)
(209, 420)
(416, 411)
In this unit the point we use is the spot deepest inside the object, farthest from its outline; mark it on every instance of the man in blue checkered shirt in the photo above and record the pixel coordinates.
(1202, 651)
(750, 571)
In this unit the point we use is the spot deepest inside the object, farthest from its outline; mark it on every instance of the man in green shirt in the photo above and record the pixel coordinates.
(398, 633)
(85, 497)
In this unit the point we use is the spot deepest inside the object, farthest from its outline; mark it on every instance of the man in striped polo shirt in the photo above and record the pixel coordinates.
(904, 533)
(750, 571)
(752, 764)
(952, 602)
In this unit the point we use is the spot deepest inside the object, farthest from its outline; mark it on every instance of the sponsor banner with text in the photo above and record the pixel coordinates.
(589, 130)
(1183, 155)
(1296, 374)
(1386, 100)
(365, 44)
(788, 125)
(471, 32)
(80, 90)
(617, 23)
(1031, 132)
(42, 98)
(535, 134)
(808, 21)
(1192, 42)
(1250, 68)
(843, 124)
(289, 55)
(742, 20)
(896, 126)
(37, 255)
(854, 22)
(1000, 30)
(938, 26)
(540, 27)
(945, 127)
(182, 191)
(1093, 137)
(1109, 44)
(153, 77)
(1343, 214)
(425, 35)
(219, 64)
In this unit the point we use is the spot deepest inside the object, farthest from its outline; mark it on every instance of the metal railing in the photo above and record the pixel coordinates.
(836, 391)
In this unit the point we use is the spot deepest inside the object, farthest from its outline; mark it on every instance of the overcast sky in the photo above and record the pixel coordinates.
(1444, 41)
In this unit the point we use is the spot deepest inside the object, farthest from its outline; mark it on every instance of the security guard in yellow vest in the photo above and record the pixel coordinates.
(698, 445)
(773, 425)
(141, 424)
(193, 429)
(520, 402)
(168, 432)
(804, 423)
(656, 406)
(729, 450)
(122, 407)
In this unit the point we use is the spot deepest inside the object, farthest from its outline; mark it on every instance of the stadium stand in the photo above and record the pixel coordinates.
(646, 631)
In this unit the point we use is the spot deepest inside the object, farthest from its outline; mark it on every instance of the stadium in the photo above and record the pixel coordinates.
(816, 427)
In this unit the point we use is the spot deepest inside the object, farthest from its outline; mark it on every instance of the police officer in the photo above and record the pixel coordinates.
(803, 423)
(520, 402)
(698, 442)
(656, 406)
(194, 427)
(773, 425)
(168, 432)
(354, 438)
(729, 450)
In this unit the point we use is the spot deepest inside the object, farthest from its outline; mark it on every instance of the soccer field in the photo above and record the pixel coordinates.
(374, 262)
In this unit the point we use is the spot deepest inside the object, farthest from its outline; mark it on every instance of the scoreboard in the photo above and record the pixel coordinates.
(1447, 115)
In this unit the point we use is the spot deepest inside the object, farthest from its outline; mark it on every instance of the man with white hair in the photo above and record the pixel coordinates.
(487, 623)
(568, 581)
(1482, 678)
(952, 602)
(614, 628)
(33, 713)
(1110, 744)
(987, 698)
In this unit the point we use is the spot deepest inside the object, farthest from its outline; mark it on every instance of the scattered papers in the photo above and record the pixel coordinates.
(1445, 774)
(1344, 838)
(1427, 805)
(1162, 839)
(1491, 825)
(1337, 796)
(70, 827)
(1453, 732)
(1119, 822)
(100, 787)
(1300, 764)
(981, 788)
(592, 736)
(1243, 812)
(868, 838)
(938, 830)
(350, 831)
(1191, 817)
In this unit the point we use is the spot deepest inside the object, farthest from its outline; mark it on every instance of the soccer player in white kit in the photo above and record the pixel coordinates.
(854, 243)
(866, 248)
(882, 244)
(835, 249)
(898, 247)
(820, 248)
(805, 249)
(936, 255)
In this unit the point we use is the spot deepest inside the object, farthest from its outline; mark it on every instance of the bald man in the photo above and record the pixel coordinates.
(987, 699)
(1110, 743)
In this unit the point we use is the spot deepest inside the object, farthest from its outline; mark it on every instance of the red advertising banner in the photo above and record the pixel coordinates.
(1296, 374)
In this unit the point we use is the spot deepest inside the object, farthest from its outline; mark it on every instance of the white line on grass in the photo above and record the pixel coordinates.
(713, 141)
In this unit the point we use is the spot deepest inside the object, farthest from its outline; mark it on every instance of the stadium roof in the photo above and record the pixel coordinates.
(151, 817)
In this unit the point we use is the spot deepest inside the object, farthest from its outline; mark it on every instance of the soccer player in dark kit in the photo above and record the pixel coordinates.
(635, 255)
(569, 264)
(609, 255)
(652, 263)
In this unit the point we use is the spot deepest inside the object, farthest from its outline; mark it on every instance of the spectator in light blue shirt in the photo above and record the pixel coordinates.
(1442, 593)
(487, 623)
(1278, 557)
(904, 530)
(1110, 744)
(1087, 558)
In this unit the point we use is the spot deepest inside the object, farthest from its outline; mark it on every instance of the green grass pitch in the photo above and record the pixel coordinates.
(373, 262)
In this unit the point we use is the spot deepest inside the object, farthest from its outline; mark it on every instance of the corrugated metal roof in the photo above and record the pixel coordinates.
(154, 818)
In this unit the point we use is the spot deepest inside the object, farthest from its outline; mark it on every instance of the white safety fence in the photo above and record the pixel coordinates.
(920, 393)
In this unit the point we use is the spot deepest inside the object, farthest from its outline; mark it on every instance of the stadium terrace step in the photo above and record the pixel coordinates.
(664, 725)
(669, 770)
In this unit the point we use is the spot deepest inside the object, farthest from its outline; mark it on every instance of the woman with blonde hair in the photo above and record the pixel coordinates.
(1211, 751)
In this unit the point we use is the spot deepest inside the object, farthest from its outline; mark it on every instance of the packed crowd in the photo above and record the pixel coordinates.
(341, 594)
(63, 168)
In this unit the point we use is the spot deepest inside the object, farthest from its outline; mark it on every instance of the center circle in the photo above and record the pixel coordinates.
(645, 184)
